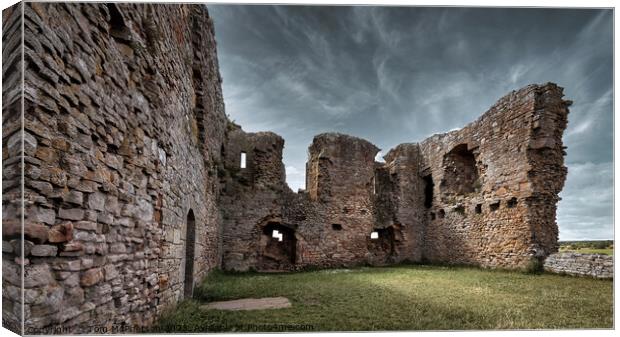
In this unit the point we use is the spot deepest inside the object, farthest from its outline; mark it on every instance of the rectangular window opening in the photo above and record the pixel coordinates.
(478, 208)
(243, 164)
(512, 203)
(374, 235)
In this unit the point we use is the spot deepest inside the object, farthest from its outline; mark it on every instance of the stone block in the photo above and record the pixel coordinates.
(91, 277)
(44, 250)
(71, 213)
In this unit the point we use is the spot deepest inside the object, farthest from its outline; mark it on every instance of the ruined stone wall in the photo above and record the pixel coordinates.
(134, 190)
(124, 123)
(403, 189)
(484, 195)
(251, 196)
(328, 226)
(495, 195)
(593, 265)
(340, 174)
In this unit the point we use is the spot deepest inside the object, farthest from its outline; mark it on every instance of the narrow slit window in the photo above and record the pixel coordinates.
(243, 164)
(374, 235)
(374, 186)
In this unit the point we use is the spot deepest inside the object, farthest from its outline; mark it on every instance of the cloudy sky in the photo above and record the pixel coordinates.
(400, 74)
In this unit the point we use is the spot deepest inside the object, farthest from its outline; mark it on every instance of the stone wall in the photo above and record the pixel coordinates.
(12, 210)
(593, 265)
(497, 182)
(136, 184)
(124, 122)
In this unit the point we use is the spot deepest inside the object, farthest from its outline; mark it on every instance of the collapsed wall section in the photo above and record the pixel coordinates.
(120, 176)
(491, 182)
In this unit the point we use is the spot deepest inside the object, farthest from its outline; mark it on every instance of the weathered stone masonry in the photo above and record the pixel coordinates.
(124, 121)
(569, 263)
(484, 195)
(136, 184)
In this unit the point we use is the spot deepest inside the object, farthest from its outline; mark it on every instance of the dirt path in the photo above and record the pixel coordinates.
(250, 304)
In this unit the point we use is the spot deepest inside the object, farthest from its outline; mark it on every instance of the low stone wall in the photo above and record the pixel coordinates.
(594, 265)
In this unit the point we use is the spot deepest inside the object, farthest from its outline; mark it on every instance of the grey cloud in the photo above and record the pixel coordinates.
(400, 74)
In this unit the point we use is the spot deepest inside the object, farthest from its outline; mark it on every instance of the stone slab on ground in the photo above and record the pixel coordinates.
(250, 304)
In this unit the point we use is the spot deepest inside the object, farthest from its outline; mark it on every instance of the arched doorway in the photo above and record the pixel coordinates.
(277, 247)
(190, 246)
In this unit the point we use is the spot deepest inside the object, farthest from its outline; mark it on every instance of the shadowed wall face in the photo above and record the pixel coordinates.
(124, 118)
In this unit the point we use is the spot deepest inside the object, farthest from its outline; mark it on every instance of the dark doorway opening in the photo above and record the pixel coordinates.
(190, 245)
(277, 247)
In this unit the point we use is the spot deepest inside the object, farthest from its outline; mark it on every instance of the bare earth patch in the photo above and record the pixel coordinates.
(250, 304)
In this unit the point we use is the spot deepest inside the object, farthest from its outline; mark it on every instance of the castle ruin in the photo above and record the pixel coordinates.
(136, 184)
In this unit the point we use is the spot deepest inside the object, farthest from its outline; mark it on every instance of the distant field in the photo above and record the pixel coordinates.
(607, 251)
(416, 297)
(588, 247)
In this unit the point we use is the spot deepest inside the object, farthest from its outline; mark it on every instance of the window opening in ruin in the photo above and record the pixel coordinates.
(460, 171)
(494, 206)
(337, 227)
(374, 235)
(512, 202)
(442, 214)
(374, 185)
(460, 210)
(478, 208)
(190, 242)
(432, 216)
(243, 163)
(428, 191)
(277, 235)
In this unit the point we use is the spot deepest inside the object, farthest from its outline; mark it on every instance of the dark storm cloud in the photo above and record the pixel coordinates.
(394, 75)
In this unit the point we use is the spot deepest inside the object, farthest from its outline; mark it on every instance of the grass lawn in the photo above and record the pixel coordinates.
(399, 298)
(606, 251)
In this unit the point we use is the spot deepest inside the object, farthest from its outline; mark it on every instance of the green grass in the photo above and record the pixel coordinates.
(606, 251)
(399, 298)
